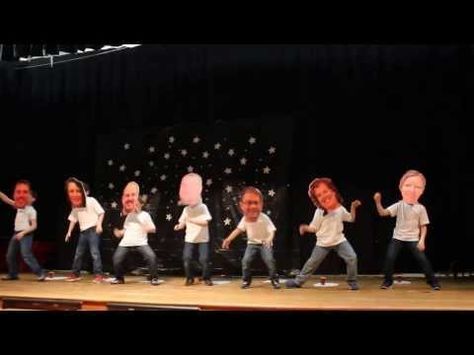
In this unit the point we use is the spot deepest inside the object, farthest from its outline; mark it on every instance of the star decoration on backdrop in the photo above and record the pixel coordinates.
(252, 140)
(227, 221)
(151, 149)
(126, 146)
(110, 162)
(196, 139)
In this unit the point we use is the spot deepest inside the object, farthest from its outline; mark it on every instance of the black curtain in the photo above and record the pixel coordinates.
(362, 115)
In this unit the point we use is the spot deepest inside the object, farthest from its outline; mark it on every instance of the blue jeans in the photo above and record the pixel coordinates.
(89, 238)
(392, 252)
(25, 244)
(203, 259)
(344, 250)
(267, 256)
(147, 253)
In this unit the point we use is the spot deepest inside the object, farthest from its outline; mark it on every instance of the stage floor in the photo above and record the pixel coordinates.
(411, 294)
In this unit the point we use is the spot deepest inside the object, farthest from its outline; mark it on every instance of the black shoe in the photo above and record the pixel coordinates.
(275, 284)
(353, 285)
(9, 278)
(386, 284)
(292, 284)
(154, 281)
(117, 281)
(208, 282)
(435, 286)
(245, 284)
(189, 281)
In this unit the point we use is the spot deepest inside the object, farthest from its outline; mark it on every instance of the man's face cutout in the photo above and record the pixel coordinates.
(412, 188)
(130, 198)
(190, 190)
(251, 206)
(22, 195)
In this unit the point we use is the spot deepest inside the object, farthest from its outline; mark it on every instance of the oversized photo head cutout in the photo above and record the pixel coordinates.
(22, 194)
(251, 203)
(190, 190)
(324, 194)
(76, 193)
(130, 198)
(412, 185)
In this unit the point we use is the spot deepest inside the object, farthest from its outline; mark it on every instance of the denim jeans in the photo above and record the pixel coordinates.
(25, 244)
(267, 256)
(145, 250)
(90, 238)
(344, 250)
(392, 252)
(203, 259)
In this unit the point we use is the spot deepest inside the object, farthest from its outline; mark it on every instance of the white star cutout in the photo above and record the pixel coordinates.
(154, 190)
(227, 221)
(151, 163)
(110, 162)
(184, 152)
(228, 171)
(114, 204)
(228, 188)
(243, 161)
(252, 140)
(122, 167)
(231, 152)
(126, 146)
(269, 212)
(168, 217)
(271, 150)
(111, 186)
(163, 177)
(196, 140)
(209, 182)
(271, 193)
(190, 169)
(205, 154)
(137, 173)
(151, 149)
(217, 146)
(166, 155)
(171, 139)
(266, 170)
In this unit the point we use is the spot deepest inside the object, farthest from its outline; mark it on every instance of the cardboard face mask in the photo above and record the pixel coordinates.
(412, 188)
(22, 195)
(76, 193)
(251, 206)
(130, 195)
(190, 190)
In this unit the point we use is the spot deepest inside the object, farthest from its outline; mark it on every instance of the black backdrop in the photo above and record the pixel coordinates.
(362, 114)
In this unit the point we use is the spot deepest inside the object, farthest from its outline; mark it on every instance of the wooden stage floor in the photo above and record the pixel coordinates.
(413, 294)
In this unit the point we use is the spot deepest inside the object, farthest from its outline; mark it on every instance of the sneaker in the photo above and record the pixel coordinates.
(275, 284)
(10, 278)
(245, 284)
(154, 281)
(117, 281)
(353, 285)
(435, 286)
(73, 278)
(292, 284)
(189, 281)
(98, 279)
(41, 278)
(208, 282)
(386, 284)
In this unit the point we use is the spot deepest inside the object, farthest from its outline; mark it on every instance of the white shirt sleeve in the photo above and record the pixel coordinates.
(206, 214)
(242, 225)
(73, 216)
(317, 219)
(146, 221)
(393, 209)
(346, 216)
(96, 206)
(32, 215)
(424, 220)
(270, 226)
(184, 216)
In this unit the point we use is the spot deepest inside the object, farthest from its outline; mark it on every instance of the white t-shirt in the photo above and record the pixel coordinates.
(135, 226)
(409, 220)
(23, 218)
(257, 231)
(87, 216)
(330, 227)
(194, 232)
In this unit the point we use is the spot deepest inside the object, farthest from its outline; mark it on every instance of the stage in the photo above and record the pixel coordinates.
(411, 294)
